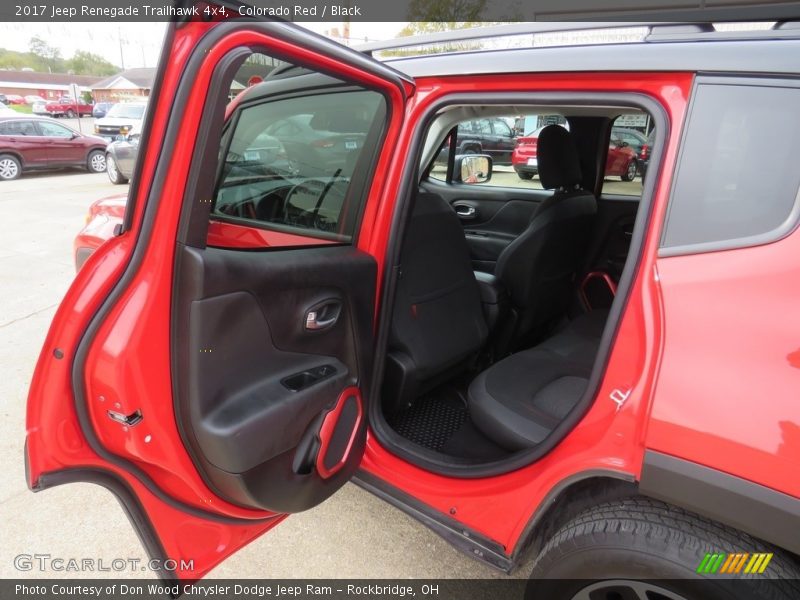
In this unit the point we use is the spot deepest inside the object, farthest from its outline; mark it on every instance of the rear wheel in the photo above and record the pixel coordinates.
(70, 114)
(113, 171)
(10, 168)
(640, 549)
(630, 171)
(96, 161)
(524, 175)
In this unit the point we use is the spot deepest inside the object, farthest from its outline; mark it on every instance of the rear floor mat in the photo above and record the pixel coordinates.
(431, 421)
(440, 422)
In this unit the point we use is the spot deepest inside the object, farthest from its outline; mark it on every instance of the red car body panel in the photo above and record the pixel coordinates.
(741, 367)
(128, 366)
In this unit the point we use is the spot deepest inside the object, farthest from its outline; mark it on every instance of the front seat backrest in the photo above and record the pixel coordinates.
(538, 268)
(437, 322)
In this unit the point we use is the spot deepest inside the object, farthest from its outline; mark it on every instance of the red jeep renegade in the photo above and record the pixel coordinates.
(306, 290)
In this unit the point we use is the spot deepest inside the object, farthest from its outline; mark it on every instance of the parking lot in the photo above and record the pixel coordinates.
(352, 535)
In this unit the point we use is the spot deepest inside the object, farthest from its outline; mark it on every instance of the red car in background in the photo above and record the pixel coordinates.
(104, 215)
(33, 143)
(622, 160)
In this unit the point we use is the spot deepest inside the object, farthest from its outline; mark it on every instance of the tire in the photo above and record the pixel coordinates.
(10, 167)
(69, 114)
(113, 171)
(638, 541)
(96, 161)
(525, 175)
(630, 171)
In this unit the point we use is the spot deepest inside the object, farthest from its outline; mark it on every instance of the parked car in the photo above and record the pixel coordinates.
(634, 139)
(604, 382)
(31, 99)
(101, 109)
(103, 216)
(3, 99)
(622, 160)
(35, 143)
(121, 119)
(40, 109)
(493, 137)
(121, 158)
(646, 151)
(14, 99)
(69, 108)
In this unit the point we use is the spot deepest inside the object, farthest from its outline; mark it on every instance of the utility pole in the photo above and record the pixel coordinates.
(121, 53)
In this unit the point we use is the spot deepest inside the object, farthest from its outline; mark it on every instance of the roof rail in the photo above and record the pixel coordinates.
(492, 31)
(656, 32)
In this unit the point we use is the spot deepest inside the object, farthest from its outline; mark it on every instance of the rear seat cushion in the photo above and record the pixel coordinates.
(518, 401)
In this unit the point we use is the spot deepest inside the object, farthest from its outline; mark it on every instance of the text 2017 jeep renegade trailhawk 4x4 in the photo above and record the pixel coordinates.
(305, 290)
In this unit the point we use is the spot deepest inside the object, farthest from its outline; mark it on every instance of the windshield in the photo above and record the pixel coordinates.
(127, 111)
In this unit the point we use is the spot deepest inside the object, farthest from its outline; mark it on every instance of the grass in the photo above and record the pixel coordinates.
(21, 108)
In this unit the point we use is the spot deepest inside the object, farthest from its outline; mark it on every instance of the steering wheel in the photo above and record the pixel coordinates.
(311, 187)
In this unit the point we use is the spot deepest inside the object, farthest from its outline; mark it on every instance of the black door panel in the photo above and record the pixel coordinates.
(254, 383)
(500, 215)
(608, 251)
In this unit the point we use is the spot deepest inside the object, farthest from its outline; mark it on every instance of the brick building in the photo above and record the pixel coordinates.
(133, 84)
(49, 86)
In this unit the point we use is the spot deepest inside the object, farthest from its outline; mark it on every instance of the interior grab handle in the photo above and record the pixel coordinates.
(323, 315)
(465, 212)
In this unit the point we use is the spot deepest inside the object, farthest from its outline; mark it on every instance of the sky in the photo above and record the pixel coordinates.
(139, 44)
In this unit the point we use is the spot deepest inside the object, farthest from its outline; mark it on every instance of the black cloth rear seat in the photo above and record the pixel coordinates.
(518, 401)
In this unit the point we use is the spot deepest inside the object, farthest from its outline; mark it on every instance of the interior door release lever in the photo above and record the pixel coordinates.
(323, 315)
(465, 212)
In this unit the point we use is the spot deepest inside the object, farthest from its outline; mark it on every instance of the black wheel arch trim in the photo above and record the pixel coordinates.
(745, 505)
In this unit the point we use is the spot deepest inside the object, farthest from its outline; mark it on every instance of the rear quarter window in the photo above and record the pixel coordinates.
(737, 180)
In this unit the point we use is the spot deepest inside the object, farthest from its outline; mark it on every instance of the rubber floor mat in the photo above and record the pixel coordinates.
(431, 421)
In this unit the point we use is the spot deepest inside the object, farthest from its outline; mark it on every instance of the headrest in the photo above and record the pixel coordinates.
(559, 166)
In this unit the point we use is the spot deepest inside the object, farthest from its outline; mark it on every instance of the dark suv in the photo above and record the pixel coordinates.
(601, 373)
(486, 136)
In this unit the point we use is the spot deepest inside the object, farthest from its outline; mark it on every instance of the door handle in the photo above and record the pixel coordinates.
(323, 315)
(465, 212)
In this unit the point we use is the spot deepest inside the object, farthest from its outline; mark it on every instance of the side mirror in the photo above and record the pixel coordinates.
(472, 168)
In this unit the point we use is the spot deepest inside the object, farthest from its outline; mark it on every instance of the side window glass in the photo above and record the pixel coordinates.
(484, 127)
(501, 128)
(290, 163)
(54, 130)
(737, 181)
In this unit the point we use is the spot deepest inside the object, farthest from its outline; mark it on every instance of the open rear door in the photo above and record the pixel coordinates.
(210, 363)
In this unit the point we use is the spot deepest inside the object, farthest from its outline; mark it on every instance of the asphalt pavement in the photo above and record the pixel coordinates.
(351, 535)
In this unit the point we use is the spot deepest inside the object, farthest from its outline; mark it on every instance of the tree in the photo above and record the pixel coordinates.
(86, 63)
(445, 13)
(47, 54)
